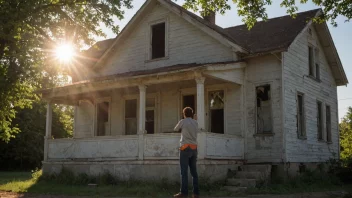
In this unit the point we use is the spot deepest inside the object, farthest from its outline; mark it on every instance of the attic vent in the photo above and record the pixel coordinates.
(310, 31)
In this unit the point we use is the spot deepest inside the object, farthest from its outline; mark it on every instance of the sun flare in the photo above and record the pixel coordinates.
(65, 52)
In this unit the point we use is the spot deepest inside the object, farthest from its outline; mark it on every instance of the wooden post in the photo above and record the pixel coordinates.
(200, 103)
(48, 128)
(141, 130)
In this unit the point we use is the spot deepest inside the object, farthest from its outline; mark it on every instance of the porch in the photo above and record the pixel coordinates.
(131, 118)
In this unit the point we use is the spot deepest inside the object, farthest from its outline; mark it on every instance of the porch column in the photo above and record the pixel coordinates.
(47, 136)
(200, 103)
(142, 90)
(141, 130)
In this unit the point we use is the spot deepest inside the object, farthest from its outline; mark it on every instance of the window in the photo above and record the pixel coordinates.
(328, 123)
(263, 109)
(311, 60)
(103, 124)
(131, 117)
(188, 101)
(216, 111)
(320, 120)
(317, 67)
(158, 41)
(314, 67)
(150, 116)
(300, 116)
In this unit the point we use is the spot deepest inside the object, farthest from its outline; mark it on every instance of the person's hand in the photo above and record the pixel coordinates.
(195, 116)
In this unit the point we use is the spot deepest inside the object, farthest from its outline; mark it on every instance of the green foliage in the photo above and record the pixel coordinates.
(346, 138)
(254, 10)
(29, 32)
(37, 174)
(26, 151)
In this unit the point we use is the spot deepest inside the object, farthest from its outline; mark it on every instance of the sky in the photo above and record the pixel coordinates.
(340, 34)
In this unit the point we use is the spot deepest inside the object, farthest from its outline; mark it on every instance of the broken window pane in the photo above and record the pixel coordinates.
(216, 111)
(264, 112)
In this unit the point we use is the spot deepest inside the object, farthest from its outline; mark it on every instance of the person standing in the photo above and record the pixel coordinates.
(188, 152)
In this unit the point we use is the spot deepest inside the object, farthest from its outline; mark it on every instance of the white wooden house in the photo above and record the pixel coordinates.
(268, 95)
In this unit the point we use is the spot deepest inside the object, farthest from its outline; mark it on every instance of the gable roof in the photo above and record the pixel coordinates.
(275, 34)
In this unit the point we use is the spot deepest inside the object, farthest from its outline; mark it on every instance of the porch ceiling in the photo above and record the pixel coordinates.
(228, 72)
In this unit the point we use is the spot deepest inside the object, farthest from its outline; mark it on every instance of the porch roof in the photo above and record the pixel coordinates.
(150, 76)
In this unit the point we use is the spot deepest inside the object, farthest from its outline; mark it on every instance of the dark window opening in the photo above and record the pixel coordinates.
(150, 116)
(189, 101)
(300, 116)
(102, 118)
(264, 114)
(158, 40)
(216, 111)
(317, 71)
(149, 121)
(328, 124)
(320, 120)
(131, 117)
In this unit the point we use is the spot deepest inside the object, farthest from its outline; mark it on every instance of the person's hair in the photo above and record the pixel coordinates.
(188, 112)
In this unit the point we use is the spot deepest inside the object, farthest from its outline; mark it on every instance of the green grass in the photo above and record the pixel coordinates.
(23, 182)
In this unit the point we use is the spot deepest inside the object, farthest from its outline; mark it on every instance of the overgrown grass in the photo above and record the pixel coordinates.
(309, 181)
(66, 183)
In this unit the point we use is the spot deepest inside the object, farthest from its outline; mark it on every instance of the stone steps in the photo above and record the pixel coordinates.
(247, 176)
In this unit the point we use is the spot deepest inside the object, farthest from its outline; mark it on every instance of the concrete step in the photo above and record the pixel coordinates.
(241, 182)
(235, 189)
(250, 175)
(257, 167)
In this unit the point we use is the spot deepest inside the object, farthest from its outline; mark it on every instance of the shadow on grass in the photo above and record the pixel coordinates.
(78, 186)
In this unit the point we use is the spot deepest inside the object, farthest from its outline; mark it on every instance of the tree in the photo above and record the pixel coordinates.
(26, 151)
(252, 10)
(346, 136)
(29, 31)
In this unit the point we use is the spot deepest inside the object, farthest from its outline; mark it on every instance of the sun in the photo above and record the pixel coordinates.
(65, 52)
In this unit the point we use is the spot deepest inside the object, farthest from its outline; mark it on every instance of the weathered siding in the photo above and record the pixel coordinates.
(296, 70)
(259, 71)
(168, 110)
(186, 44)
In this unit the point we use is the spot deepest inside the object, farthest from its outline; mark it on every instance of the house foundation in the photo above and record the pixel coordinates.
(146, 170)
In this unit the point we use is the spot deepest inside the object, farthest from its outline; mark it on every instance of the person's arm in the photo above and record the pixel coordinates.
(178, 126)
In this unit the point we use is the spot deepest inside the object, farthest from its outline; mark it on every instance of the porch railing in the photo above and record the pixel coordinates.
(139, 147)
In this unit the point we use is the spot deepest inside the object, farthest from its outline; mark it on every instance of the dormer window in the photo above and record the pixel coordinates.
(158, 41)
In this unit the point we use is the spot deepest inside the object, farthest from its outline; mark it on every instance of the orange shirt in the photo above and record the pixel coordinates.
(192, 146)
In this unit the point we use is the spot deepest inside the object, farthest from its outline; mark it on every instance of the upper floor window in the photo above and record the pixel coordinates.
(158, 41)
(313, 58)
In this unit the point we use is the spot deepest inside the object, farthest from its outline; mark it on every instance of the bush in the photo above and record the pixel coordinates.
(37, 174)
(107, 179)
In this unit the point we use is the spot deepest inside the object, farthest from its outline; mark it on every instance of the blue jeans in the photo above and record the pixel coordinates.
(188, 157)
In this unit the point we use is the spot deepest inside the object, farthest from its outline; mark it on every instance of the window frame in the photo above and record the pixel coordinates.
(328, 129)
(207, 108)
(256, 108)
(95, 123)
(155, 109)
(321, 123)
(125, 98)
(150, 36)
(304, 132)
